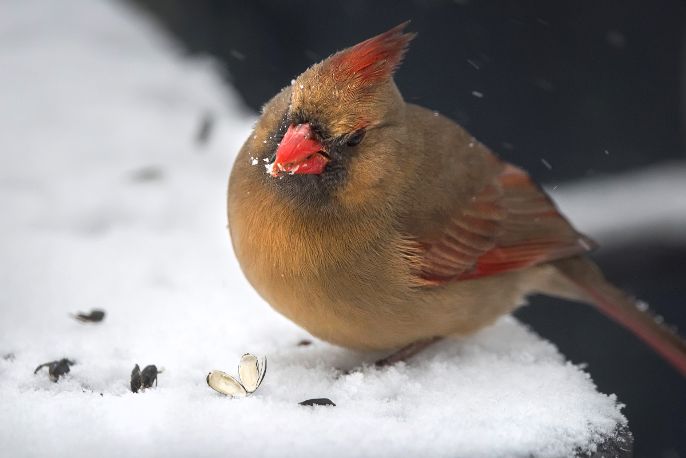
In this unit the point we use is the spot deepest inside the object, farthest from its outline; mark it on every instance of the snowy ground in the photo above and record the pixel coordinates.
(109, 202)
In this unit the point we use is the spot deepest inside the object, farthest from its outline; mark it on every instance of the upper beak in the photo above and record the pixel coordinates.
(299, 152)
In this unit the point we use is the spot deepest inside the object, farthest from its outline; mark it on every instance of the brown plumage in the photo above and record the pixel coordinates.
(374, 223)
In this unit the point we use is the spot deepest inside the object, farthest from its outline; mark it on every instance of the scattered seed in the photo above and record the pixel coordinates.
(149, 376)
(224, 383)
(251, 370)
(56, 369)
(318, 402)
(136, 379)
(141, 380)
(95, 316)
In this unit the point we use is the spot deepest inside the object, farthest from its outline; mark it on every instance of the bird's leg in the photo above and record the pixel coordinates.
(406, 352)
(402, 354)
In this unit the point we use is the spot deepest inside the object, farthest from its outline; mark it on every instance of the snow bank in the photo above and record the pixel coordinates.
(108, 201)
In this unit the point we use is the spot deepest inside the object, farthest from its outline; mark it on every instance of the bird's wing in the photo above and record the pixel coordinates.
(509, 224)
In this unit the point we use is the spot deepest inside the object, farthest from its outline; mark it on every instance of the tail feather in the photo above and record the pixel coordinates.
(625, 310)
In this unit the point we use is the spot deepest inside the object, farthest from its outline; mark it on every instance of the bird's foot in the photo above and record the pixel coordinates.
(402, 354)
(406, 352)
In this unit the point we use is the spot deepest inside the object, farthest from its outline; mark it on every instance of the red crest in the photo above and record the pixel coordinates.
(373, 59)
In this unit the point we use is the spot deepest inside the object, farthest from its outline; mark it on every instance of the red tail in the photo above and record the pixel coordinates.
(627, 311)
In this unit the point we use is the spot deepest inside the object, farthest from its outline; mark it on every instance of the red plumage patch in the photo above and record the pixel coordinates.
(373, 59)
(511, 224)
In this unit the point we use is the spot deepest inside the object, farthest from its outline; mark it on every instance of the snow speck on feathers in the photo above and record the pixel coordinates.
(96, 93)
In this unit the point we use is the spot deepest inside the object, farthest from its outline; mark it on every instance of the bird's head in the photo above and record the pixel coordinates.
(343, 116)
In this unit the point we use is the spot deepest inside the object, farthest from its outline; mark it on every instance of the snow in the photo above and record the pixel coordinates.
(615, 209)
(109, 202)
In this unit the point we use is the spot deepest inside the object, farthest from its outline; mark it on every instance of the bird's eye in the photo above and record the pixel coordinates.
(356, 137)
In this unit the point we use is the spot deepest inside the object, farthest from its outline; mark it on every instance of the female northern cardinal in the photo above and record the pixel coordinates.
(377, 224)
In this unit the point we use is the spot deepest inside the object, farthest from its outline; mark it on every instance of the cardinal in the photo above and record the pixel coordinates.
(376, 224)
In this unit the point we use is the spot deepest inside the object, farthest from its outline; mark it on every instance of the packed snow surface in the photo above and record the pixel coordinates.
(110, 201)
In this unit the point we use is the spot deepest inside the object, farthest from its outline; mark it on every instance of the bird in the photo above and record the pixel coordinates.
(379, 225)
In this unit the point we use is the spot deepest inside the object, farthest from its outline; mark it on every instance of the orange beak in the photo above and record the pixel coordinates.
(299, 153)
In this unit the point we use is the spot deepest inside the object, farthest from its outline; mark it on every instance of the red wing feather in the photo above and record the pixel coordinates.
(510, 224)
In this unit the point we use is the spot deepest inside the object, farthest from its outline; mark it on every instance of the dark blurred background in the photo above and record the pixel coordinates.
(565, 89)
